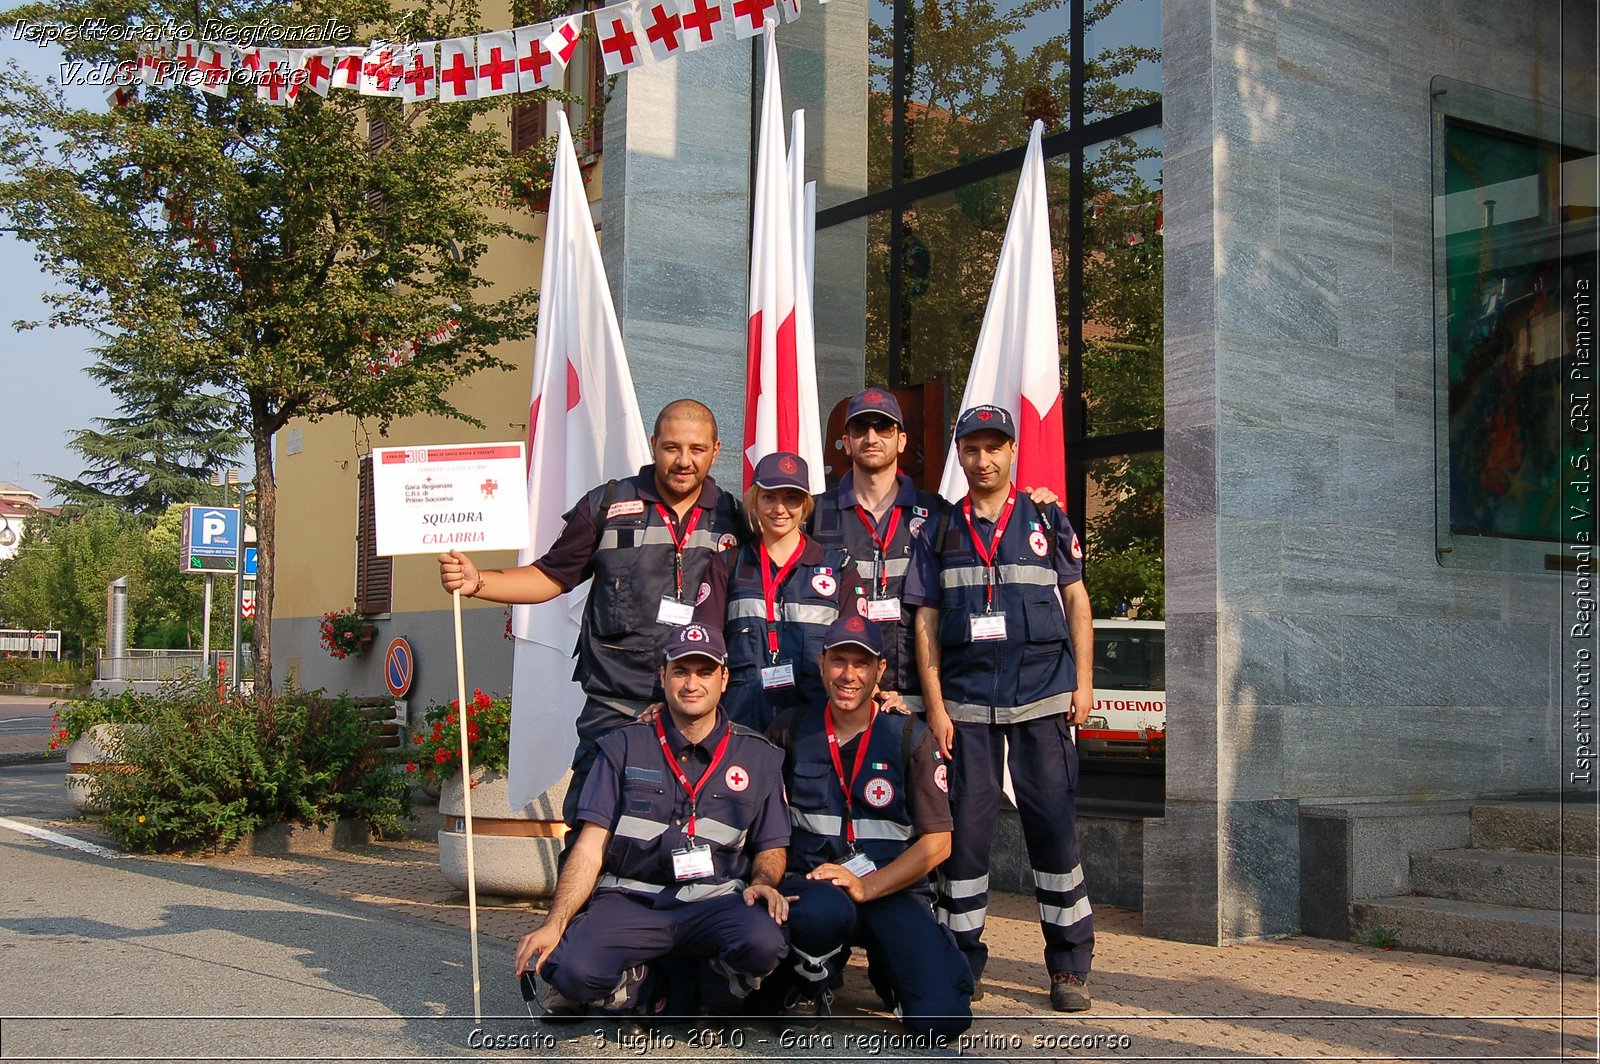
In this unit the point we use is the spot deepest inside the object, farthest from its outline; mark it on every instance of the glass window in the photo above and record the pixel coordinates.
(979, 73)
(1123, 536)
(1122, 56)
(1122, 284)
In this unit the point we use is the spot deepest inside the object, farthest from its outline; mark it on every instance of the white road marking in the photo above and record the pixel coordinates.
(59, 839)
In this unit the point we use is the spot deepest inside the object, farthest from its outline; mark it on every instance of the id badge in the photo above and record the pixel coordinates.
(859, 865)
(674, 612)
(988, 626)
(883, 609)
(693, 862)
(779, 675)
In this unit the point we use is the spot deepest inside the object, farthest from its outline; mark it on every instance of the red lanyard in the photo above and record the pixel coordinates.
(770, 586)
(838, 766)
(987, 553)
(683, 780)
(678, 541)
(881, 543)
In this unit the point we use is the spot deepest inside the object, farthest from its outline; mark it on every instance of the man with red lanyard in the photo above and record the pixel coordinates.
(682, 845)
(870, 819)
(874, 516)
(648, 542)
(1005, 643)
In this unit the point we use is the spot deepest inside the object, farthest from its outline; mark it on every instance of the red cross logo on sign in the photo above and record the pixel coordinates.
(489, 487)
(737, 778)
(879, 792)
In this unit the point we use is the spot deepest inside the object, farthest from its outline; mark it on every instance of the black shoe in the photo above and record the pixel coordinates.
(803, 1013)
(1069, 992)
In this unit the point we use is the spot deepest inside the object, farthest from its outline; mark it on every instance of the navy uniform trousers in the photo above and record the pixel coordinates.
(1044, 772)
(911, 960)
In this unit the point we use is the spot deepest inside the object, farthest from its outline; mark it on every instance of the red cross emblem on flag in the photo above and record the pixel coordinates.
(489, 487)
(879, 792)
(737, 778)
(663, 28)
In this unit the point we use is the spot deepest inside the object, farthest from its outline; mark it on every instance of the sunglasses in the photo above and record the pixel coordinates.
(881, 425)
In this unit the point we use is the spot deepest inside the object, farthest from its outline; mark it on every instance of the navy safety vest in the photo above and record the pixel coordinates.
(834, 526)
(881, 812)
(655, 813)
(1029, 674)
(619, 647)
(807, 602)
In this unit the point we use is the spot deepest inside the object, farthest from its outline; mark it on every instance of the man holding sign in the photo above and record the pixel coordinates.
(647, 541)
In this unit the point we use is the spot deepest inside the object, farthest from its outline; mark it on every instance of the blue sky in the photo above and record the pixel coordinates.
(47, 394)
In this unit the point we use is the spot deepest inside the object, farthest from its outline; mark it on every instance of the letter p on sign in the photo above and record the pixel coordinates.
(212, 528)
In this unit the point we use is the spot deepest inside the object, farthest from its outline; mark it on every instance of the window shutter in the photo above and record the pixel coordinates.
(374, 572)
(528, 125)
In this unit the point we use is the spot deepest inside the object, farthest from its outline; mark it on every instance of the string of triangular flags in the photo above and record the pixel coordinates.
(523, 59)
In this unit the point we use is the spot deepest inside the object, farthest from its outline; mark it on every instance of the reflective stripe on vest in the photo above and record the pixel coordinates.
(978, 576)
(798, 612)
(980, 713)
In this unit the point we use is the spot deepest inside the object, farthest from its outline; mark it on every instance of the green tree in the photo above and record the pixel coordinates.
(289, 260)
(165, 446)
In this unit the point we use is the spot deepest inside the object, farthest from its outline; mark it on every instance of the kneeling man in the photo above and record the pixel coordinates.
(683, 829)
(871, 818)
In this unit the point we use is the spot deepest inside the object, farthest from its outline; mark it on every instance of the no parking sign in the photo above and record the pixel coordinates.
(399, 667)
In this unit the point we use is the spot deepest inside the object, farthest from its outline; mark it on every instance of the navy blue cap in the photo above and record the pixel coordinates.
(979, 418)
(783, 469)
(696, 640)
(853, 630)
(874, 400)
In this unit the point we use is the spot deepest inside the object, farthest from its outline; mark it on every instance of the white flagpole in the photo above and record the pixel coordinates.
(466, 802)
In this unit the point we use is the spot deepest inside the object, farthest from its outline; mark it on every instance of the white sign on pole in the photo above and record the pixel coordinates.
(469, 497)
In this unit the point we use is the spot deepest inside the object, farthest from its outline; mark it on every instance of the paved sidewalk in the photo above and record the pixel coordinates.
(1296, 998)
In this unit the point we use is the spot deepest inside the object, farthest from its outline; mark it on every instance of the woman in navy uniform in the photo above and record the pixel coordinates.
(783, 592)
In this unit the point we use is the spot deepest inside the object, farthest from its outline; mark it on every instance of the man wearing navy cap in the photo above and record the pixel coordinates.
(870, 818)
(1005, 644)
(682, 845)
(874, 516)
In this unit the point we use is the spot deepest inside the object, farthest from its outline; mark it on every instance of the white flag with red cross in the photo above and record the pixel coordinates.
(347, 67)
(497, 63)
(381, 69)
(187, 55)
(584, 429)
(750, 17)
(661, 25)
(704, 22)
(272, 85)
(215, 64)
(537, 67)
(316, 70)
(563, 40)
(421, 72)
(1017, 363)
(458, 69)
(780, 401)
(619, 41)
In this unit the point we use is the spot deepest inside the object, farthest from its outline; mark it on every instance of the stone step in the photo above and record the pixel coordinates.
(1533, 938)
(1504, 877)
(1536, 827)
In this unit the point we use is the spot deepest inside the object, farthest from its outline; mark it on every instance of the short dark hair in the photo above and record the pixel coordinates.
(686, 410)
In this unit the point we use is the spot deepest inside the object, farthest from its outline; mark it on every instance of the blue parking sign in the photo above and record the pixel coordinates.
(210, 539)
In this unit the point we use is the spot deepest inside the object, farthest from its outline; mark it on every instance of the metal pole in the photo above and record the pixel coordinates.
(205, 631)
(238, 579)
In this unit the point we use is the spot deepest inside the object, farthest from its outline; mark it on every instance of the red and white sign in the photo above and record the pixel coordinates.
(347, 67)
(879, 792)
(661, 25)
(421, 74)
(431, 499)
(247, 605)
(736, 778)
(619, 42)
(563, 39)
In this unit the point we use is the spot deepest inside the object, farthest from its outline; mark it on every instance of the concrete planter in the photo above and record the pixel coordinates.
(92, 753)
(301, 838)
(514, 850)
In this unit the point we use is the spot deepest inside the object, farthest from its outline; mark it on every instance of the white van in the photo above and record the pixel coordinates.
(1129, 718)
